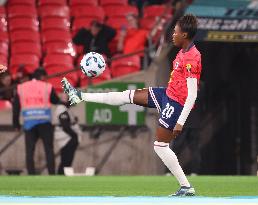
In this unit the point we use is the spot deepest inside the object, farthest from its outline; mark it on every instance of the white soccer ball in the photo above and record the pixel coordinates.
(93, 64)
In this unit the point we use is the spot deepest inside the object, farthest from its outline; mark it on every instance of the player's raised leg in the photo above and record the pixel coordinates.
(139, 97)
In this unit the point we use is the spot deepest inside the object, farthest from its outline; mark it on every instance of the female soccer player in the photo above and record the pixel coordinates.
(173, 103)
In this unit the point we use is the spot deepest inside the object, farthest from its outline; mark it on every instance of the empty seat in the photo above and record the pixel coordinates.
(81, 23)
(30, 61)
(23, 35)
(60, 48)
(4, 37)
(56, 35)
(26, 48)
(42, 3)
(153, 10)
(88, 11)
(2, 12)
(23, 24)
(147, 23)
(113, 2)
(54, 11)
(57, 62)
(4, 48)
(55, 23)
(22, 11)
(56, 81)
(83, 3)
(4, 59)
(21, 2)
(112, 11)
(59, 38)
(124, 66)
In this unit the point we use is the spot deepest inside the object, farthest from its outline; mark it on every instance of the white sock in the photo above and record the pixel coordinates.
(111, 98)
(170, 160)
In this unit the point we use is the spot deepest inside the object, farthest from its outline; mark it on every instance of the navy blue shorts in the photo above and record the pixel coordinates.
(169, 110)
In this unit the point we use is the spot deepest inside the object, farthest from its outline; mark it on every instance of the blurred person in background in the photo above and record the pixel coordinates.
(173, 103)
(132, 38)
(96, 38)
(67, 134)
(33, 99)
(21, 75)
(6, 88)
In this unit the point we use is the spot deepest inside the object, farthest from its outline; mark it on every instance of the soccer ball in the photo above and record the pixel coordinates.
(93, 64)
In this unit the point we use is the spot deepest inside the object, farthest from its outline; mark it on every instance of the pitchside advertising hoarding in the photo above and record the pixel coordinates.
(102, 114)
(226, 24)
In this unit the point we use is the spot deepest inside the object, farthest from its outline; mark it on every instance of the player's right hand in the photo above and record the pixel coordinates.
(75, 96)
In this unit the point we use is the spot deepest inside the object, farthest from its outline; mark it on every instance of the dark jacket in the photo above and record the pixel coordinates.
(99, 43)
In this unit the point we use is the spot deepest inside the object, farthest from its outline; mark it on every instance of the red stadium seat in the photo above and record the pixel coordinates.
(124, 66)
(4, 37)
(56, 35)
(57, 38)
(23, 24)
(81, 23)
(4, 48)
(95, 12)
(21, 2)
(31, 62)
(54, 11)
(60, 48)
(26, 48)
(4, 59)
(55, 23)
(147, 23)
(83, 3)
(56, 63)
(2, 12)
(24, 36)
(153, 11)
(115, 11)
(56, 81)
(22, 11)
(42, 3)
(60, 61)
(113, 2)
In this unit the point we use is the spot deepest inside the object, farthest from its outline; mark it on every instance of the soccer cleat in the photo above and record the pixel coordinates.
(184, 191)
(75, 96)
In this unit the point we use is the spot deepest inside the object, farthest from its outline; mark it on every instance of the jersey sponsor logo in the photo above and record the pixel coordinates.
(188, 67)
(176, 66)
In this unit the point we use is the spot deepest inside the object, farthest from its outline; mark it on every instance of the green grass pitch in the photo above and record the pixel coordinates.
(125, 185)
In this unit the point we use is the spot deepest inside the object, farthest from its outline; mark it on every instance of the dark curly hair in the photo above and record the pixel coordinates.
(188, 24)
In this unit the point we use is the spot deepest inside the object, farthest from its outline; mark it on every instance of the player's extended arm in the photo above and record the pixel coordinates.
(191, 97)
(110, 98)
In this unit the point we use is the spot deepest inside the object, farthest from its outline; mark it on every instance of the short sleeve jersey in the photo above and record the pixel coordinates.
(187, 64)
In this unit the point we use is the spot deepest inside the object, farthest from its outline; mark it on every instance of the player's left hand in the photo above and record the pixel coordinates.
(3, 68)
(177, 130)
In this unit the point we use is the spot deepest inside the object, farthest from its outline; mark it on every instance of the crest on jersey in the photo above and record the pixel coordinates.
(188, 67)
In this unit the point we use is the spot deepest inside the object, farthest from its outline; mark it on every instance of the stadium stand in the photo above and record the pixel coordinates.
(30, 33)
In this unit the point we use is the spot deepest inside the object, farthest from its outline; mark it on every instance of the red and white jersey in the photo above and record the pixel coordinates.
(187, 64)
